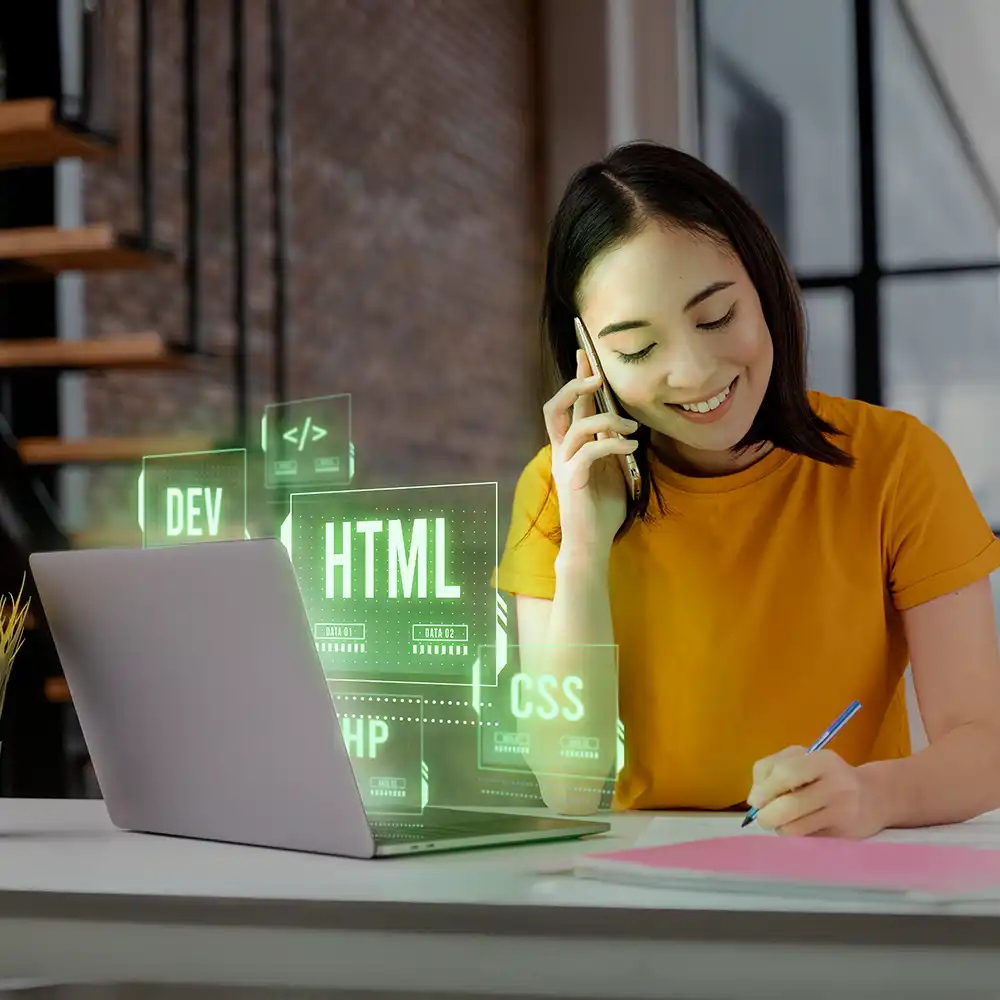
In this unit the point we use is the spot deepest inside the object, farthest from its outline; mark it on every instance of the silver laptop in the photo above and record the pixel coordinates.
(206, 713)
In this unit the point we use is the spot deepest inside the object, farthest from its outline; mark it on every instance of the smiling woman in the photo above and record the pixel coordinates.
(789, 552)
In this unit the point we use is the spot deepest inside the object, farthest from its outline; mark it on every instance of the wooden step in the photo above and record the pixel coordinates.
(32, 135)
(141, 351)
(108, 537)
(57, 690)
(46, 250)
(73, 451)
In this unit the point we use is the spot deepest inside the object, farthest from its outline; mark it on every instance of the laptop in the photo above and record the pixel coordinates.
(202, 698)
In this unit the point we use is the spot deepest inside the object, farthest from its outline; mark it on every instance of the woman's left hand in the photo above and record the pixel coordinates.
(817, 794)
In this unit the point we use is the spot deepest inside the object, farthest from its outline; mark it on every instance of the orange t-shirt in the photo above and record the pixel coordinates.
(749, 616)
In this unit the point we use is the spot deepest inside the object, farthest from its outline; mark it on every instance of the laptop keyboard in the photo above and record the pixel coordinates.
(447, 824)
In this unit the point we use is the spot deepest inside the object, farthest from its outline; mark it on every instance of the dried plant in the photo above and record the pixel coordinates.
(12, 621)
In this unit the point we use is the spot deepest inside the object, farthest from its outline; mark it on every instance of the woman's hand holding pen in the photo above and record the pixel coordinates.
(817, 794)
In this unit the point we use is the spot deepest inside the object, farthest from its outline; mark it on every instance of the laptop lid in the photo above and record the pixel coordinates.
(201, 695)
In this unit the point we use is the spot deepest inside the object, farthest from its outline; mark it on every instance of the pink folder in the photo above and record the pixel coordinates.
(820, 865)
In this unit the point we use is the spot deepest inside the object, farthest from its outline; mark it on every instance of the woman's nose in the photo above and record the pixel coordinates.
(689, 366)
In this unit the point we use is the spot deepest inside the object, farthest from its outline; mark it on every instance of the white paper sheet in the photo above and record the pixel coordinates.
(681, 829)
(982, 832)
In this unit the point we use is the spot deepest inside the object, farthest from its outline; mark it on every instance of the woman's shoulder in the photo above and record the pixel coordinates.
(868, 431)
(539, 468)
(534, 485)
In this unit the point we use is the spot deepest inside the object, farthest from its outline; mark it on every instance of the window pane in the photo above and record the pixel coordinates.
(942, 364)
(830, 356)
(780, 119)
(932, 206)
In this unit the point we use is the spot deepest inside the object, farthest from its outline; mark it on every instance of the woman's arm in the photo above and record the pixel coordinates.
(550, 635)
(956, 674)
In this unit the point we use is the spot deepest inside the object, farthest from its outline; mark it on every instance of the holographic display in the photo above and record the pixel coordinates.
(384, 739)
(397, 582)
(193, 497)
(554, 712)
(307, 443)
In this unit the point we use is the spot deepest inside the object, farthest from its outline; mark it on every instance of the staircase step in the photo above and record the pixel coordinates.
(57, 690)
(141, 351)
(45, 250)
(127, 536)
(32, 135)
(74, 451)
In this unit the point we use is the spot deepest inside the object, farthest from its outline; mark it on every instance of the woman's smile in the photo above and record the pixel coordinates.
(707, 411)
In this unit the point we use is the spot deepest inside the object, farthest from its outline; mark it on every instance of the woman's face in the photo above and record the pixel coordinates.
(680, 334)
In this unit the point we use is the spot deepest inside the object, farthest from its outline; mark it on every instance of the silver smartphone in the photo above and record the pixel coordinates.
(606, 404)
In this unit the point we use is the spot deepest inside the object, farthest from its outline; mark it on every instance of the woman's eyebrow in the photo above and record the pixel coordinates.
(628, 324)
(706, 292)
(634, 324)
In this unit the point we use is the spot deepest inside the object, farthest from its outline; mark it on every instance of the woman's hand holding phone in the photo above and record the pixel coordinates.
(586, 463)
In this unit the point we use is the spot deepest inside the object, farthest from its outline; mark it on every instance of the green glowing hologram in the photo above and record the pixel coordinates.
(307, 443)
(553, 714)
(191, 497)
(397, 582)
(384, 736)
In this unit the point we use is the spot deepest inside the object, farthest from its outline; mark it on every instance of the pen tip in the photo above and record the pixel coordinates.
(747, 820)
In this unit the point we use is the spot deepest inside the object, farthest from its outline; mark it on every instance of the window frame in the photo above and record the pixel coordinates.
(864, 284)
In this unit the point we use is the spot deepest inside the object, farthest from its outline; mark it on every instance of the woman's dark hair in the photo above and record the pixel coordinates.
(607, 203)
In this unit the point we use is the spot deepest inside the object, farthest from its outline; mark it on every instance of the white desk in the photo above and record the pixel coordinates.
(81, 902)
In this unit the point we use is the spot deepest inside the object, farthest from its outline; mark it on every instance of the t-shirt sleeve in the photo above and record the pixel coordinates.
(528, 562)
(939, 539)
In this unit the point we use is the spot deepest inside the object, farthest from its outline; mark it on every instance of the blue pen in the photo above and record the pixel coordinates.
(828, 735)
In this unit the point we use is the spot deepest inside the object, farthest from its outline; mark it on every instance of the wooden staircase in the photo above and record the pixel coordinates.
(137, 352)
(43, 251)
(32, 134)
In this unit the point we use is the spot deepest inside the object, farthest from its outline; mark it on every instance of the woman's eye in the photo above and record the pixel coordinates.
(638, 356)
(718, 324)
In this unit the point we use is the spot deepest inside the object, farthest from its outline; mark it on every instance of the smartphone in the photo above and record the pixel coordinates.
(606, 404)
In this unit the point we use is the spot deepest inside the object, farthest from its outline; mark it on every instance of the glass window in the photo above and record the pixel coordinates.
(780, 122)
(830, 354)
(932, 206)
(941, 350)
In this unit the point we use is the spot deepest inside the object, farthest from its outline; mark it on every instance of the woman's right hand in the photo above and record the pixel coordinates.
(587, 452)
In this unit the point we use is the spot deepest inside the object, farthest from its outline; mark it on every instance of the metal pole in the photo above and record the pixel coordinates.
(279, 178)
(240, 308)
(192, 186)
(867, 320)
(145, 125)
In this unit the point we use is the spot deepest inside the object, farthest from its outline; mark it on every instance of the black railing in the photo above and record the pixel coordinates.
(279, 208)
(147, 215)
(29, 516)
(95, 49)
(192, 176)
(237, 109)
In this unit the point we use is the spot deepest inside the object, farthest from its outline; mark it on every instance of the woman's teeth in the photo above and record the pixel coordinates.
(707, 404)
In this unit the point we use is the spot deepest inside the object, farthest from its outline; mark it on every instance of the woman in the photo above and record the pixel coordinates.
(790, 551)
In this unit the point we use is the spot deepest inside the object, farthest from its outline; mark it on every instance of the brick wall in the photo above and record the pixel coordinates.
(414, 234)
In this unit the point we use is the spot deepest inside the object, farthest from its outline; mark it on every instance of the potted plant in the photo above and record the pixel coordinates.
(13, 614)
